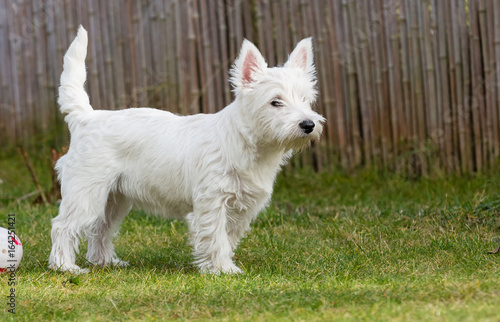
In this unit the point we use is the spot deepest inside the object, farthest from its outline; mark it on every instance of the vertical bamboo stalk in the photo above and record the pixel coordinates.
(331, 31)
(180, 57)
(267, 26)
(52, 75)
(222, 23)
(30, 119)
(231, 31)
(5, 104)
(419, 87)
(185, 57)
(294, 21)
(483, 29)
(215, 54)
(495, 81)
(107, 71)
(459, 109)
(357, 47)
(491, 89)
(100, 59)
(306, 17)
(200, 71)
(41, 68)
(326, 148)
(278, 17)
(13, 45)
(170, 59)
(360, 152)
(466, 83)
(384, 12)
(367, 72)
(445, 87)
(128, 54)
(153, 40)
(285, 26)
(430, 82)
(171, 56)
(208, 90)
(405, 75)
(394, 78)
(307, 29)
(163, 56)
(449, 13)
(323, 157)
(58, 16)
(439, 134)
(118, 66)
(338, 49)
(370, 78)
(258, 26)
(238, 17)
(147, 22)
(412, 118)
(377, 37)
(245, 14)
(141, 59)
(193, 16)
(477, 105)
(92, 73)
(335, 32)
(318, 159)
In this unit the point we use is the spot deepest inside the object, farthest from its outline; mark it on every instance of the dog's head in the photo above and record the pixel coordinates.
(276, 103)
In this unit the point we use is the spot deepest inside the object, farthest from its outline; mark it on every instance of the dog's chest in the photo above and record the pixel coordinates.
(248, 194)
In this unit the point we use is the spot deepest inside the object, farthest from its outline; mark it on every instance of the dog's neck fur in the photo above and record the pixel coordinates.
(248, 153)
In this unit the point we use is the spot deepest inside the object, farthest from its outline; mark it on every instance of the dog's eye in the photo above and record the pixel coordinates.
(276, 103)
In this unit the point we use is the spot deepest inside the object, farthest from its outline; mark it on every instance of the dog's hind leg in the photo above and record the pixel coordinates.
(65, 235)
(82, 209)
(100, 238)
(78, 211)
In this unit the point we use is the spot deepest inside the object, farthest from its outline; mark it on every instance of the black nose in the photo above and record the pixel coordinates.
(307, 126)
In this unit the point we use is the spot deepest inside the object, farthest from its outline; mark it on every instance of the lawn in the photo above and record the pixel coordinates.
(364, 246)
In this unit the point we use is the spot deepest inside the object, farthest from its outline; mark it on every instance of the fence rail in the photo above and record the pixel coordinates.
(406, 84)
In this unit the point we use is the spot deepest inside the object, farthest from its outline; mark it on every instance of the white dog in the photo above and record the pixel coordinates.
(216, 171)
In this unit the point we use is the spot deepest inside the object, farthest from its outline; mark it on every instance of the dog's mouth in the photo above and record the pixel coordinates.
(303, 141)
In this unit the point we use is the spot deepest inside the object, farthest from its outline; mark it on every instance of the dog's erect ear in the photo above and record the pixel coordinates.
(302, 57)
(247, 66)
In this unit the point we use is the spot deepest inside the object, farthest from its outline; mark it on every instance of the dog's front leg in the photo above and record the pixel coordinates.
(239, 226)
(209, 238)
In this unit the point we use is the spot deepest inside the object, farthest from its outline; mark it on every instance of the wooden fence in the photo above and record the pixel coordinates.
(407, 84)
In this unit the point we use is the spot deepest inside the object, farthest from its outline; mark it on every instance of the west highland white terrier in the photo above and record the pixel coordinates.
(216, 171)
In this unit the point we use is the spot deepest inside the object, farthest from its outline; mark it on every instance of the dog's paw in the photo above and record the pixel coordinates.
(224, 269)
(113, 262)
(73, 269)
(79, 271)
(119, 263)
(231, 269)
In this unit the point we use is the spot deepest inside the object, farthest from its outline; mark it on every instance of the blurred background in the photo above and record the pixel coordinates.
(406, 85)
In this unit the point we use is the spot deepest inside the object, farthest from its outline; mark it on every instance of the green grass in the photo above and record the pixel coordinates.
(330, 246)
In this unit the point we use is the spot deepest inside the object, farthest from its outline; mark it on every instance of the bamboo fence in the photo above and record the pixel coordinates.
(411, 85)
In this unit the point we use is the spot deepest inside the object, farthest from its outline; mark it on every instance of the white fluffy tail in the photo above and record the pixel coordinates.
(72, 95)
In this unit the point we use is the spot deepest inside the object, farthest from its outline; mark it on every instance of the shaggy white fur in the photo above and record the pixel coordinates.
(214, 170)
